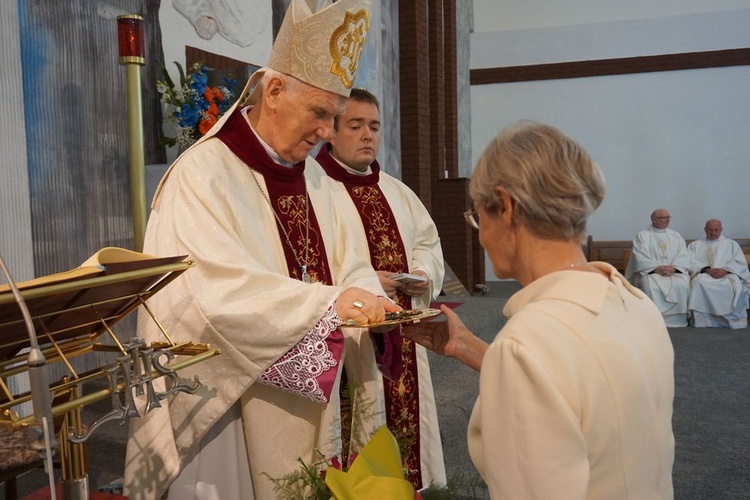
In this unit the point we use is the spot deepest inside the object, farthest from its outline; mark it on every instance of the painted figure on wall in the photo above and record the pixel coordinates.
(239, 21)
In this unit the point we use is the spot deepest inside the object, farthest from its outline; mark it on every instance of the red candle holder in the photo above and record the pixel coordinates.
(130, 39)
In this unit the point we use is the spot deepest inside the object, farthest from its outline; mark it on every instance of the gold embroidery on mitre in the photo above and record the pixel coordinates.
(347, 44)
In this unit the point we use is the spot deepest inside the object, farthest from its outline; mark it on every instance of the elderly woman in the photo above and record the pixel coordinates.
(576, 391)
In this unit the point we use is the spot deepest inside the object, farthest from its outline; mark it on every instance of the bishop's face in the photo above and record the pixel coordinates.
(301, 120)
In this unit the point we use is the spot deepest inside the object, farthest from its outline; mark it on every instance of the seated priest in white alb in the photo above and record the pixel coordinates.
(719, 289)
(660, 266)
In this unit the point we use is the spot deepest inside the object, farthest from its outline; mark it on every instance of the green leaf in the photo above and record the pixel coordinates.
(183, 80)
(167, 79)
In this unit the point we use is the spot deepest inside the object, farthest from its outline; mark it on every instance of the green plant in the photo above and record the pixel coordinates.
(458, 485)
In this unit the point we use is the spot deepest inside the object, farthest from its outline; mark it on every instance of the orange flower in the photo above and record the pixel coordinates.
(206, 124)
(212, 93)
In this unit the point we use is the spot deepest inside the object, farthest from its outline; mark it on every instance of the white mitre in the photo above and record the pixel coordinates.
(321, 49)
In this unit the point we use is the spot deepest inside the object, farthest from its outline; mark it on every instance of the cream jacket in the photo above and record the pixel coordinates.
(576, 394)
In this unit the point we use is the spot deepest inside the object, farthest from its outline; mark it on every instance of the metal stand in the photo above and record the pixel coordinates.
(70, 317)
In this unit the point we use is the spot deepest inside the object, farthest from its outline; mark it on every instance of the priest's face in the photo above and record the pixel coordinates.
(356, 139)
(660, 219)
(713, 230)
(301, 117)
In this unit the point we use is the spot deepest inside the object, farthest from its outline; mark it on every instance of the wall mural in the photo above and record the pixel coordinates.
(236, 20)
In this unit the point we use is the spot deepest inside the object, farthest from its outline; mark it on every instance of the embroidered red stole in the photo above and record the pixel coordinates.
(387, 253)
(296, 222)
(287, 194)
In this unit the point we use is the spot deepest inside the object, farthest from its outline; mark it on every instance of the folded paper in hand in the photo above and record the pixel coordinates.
(408, 278)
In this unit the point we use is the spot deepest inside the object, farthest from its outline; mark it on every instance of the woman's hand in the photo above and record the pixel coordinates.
(448, 338)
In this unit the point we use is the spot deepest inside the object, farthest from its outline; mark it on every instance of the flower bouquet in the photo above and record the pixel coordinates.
(193, 105)
(373, 474)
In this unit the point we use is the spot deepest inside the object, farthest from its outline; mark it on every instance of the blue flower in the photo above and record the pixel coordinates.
(197, 106)
(199, 82)
(187, 116)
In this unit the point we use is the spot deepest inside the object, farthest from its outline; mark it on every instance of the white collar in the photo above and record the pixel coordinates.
(353, 170)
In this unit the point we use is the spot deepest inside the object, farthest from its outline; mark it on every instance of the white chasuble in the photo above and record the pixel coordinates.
(240, 298)
(721, 302)
(397, 233)
(657, 247)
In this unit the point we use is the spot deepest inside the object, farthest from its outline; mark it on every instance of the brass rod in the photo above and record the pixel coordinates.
(21, 358)
(137, 161)
(73, 461)
(59, 352)
(6, 390)
(114, 337)
(158, 325)
(101, 394)
(72, 353)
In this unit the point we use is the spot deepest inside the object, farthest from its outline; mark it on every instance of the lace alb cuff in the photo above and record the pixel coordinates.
(310, 367)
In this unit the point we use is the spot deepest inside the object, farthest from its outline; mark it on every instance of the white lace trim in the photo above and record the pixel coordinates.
(298, 369)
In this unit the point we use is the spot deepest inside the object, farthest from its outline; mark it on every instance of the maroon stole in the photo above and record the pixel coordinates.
(387, 253)
(286, 191)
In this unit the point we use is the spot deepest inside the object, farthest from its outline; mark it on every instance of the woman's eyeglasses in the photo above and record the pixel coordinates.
(472, 217)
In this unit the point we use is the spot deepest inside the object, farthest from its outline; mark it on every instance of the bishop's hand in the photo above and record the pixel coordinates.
(359, 305)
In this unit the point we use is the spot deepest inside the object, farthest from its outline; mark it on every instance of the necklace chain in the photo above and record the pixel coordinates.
(571, 266)
(302, 265)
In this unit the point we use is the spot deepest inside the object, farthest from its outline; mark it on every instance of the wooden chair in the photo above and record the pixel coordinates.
(608, 251)
(626, 253)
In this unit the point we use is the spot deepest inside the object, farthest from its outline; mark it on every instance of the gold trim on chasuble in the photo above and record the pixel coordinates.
(292, 210)
(387, 253)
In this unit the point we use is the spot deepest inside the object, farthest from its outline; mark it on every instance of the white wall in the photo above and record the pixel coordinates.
(497, 15)
(675, 139)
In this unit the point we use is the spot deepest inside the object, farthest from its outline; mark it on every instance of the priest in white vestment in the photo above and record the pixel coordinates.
(397, 233)
(275, 276)
(660, 266)
(719, 288)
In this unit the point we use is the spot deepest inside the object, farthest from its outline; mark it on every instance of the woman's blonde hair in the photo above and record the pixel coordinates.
(552, 180)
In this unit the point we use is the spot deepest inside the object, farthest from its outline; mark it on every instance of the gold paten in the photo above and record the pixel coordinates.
(405, 316)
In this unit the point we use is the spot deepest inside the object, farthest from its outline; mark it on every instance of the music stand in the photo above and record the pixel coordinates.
(70, 313)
